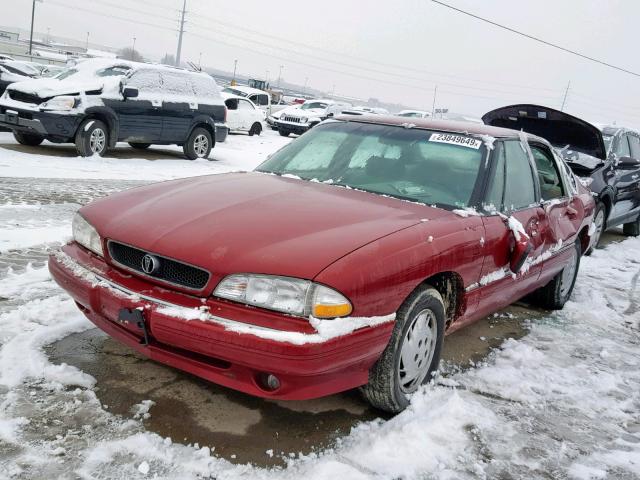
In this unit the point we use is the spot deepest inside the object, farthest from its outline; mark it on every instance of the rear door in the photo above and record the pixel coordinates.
(179, 106)
(627, 179)
(140, 118)
(563, 211)
(512, 196)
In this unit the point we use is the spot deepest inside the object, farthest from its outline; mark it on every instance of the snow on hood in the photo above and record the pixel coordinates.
(51, 87)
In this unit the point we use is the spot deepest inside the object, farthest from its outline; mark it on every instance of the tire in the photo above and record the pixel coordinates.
(632, 229)
(92, 138)
(139, 146)
(284, 133)
(600, 221)
(28, 139)
(388, 389)
(256, 129)
(555, 294)
(199, 144)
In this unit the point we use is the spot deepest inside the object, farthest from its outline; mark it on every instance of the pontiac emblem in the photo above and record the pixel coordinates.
(150, 264)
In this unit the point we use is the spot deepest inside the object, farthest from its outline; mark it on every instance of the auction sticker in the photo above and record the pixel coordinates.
(456, 140)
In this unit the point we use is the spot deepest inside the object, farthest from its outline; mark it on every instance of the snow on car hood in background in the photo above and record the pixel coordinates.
(252, 222)
(51, 87)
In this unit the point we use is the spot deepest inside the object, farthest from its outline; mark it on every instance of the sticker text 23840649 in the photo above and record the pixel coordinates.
(456, 140)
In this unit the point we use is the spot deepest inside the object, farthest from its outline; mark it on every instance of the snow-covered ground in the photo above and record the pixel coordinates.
(562, 402)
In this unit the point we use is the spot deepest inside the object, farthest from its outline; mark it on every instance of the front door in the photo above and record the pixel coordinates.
(511, 201)
(627, 180)
(140, 118)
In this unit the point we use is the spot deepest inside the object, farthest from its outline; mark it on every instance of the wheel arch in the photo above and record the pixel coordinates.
(451, 287)
(205, 122)
(606, 197)
(108, 117)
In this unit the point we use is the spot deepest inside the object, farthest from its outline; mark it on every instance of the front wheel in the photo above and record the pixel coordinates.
(92, 138)
(555, 294)
(632, 229)
(256, 129)
(198, 145)
(284, 133)
(28, 139)
(412, 354)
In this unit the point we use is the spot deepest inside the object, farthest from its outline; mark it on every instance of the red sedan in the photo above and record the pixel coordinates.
(341, 262)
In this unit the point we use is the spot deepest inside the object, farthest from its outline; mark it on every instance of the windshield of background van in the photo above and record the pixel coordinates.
(389, 160)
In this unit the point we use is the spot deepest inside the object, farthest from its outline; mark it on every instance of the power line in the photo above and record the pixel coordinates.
(135, 10)
(531, 37)
(357, 67)
(362, 60)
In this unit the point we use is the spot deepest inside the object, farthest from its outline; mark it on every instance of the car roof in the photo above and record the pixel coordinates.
(453, 126)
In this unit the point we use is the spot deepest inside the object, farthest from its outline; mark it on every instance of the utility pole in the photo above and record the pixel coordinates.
(306, 79)
(87, 47)
(48, 34)
(133, 49)
(33, 16)
(433, 107)
(179, 51)
(235, 66)
(200, 61)
(280, 75)
(564, 100)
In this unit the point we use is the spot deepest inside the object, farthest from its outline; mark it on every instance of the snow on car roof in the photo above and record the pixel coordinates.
(455, 126)
(247, 90)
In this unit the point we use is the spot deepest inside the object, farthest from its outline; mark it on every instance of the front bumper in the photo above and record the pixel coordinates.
(53, 126)
(297, 128)
(214, 350)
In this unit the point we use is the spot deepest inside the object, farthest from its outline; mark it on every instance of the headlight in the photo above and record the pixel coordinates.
(86, 235)
(284, 294)
(303, 119)
(59, 103)
(5, 95)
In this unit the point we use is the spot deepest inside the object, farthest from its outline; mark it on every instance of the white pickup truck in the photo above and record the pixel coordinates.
(260, 98)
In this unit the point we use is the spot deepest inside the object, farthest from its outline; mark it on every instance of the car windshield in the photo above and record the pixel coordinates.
(413, 164)
(310, 105)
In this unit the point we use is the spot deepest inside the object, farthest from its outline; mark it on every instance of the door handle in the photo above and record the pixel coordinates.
(571, 212)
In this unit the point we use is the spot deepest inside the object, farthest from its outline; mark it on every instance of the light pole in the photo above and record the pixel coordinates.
(48, 34)
(87, 47)
(235, 66)
(280, 75)
(306, 79)
(33, 16)
(133, 49)
(200, 61)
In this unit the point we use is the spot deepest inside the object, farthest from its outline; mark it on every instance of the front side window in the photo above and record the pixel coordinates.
(548, 175)
(634, 143)
(414, 164)
(146, 81)
(115, 71)
(519, 189)
(622, 148)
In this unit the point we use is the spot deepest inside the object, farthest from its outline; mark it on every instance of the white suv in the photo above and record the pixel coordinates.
(310, 113)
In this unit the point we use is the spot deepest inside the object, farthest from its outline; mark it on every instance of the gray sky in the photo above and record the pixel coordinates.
(396, 51)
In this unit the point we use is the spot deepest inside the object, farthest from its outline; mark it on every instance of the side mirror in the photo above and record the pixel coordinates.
(628, 163)
(520, 253)
(129, 92)
(330, 114)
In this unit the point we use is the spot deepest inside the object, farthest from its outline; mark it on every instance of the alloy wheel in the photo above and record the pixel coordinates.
(201, 145)
(97, 140)
(566, 280)
(599, 224)
(418, 348)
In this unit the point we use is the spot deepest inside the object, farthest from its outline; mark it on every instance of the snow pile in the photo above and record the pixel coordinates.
(466, 212)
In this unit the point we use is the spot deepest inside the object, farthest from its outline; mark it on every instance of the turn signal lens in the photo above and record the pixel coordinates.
(328, 303)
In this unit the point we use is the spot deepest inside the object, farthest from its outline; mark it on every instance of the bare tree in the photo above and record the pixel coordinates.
(130, 54)
(168, 59)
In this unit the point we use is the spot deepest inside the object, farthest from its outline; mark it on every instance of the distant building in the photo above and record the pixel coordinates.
(8, 36)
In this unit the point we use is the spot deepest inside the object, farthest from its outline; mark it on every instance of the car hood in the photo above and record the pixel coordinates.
(252, 222)
(559, 128)
(580, 162)
(50, 87)
(310, 112)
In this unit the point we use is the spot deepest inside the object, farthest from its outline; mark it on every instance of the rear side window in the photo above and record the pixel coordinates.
(176, 84)
(204, 86)
(548, 175)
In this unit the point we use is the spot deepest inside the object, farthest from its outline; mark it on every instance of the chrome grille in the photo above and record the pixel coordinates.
(24, 97)
(287, 118)
(169, 270)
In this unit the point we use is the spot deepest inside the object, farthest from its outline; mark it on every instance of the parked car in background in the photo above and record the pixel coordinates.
(260, 98)
(272, 119)
(243, 115)
(362, 110)
(414, 114)
(310, 114)
(396, 237)
(9, 75)
(606, 160)
(5, 57)
(100, 102)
